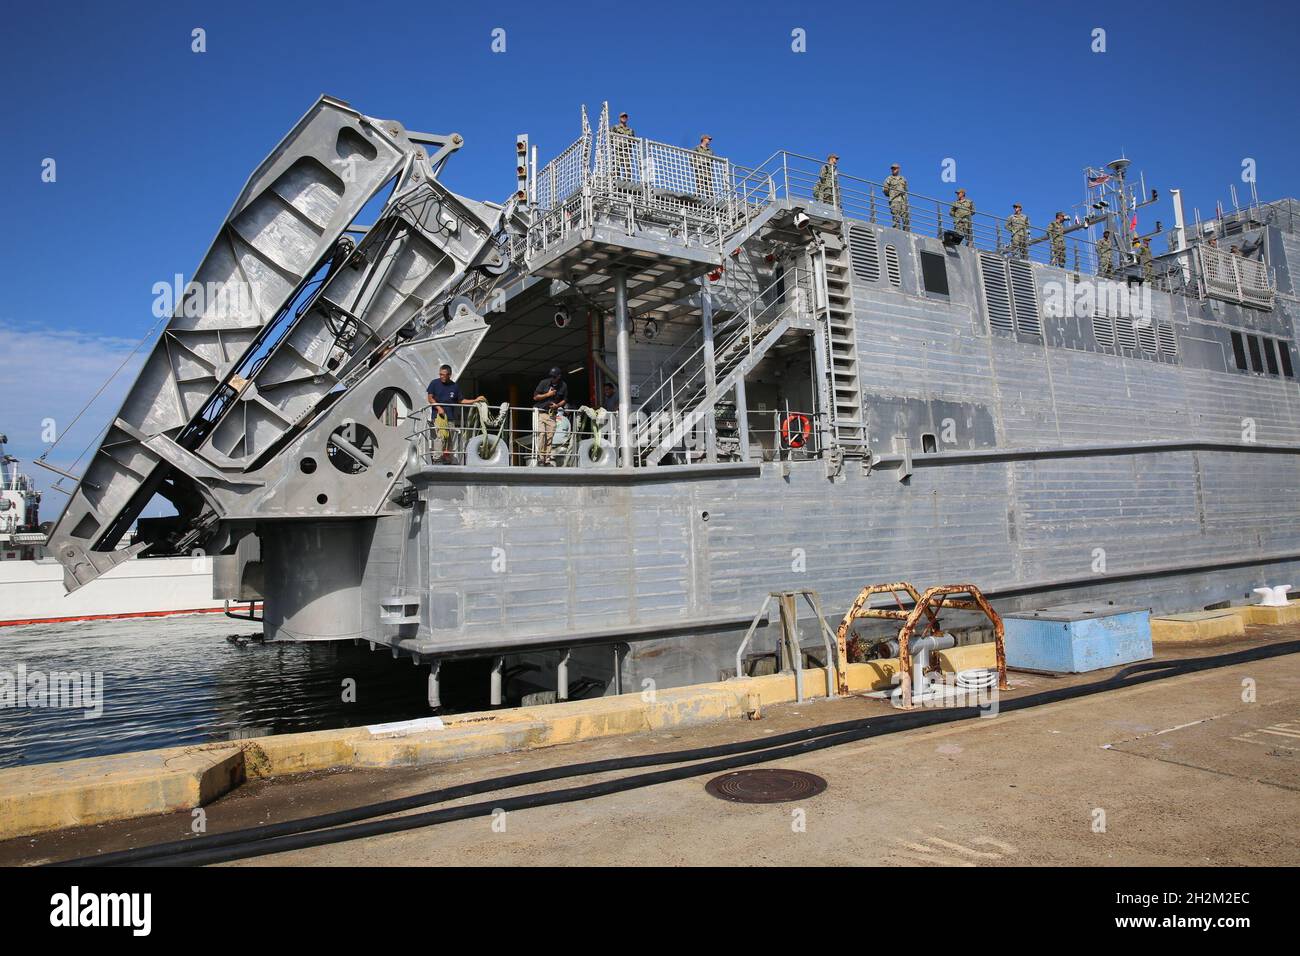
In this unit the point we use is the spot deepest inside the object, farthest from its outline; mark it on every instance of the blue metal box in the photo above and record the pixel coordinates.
(1072, 638)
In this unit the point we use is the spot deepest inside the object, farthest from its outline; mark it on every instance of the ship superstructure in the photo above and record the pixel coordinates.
(20, 508)
(807, 393)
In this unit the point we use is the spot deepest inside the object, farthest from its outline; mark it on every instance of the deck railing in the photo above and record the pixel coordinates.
(521, 437)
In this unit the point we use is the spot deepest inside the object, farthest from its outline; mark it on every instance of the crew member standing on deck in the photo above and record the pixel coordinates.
(549, 397)
(1148, 264)
(1105, 256)
(621, 144)
(1056, 235)
(1018, 227)
(827, 189)
(702, 162)
(445, 400)
(962, 212)
(895, 187)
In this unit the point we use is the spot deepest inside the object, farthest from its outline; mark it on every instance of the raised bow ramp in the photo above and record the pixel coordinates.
(280, 310)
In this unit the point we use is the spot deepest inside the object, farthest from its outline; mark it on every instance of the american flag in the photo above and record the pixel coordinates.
(1098, 179)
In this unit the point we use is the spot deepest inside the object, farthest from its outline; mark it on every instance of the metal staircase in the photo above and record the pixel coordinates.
(673, 410)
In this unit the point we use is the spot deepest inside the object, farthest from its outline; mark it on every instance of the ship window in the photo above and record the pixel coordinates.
(1256, 360)
(1239, 351)
(1270, 356)
(1284, 353)
(934, 273)
(928, 444)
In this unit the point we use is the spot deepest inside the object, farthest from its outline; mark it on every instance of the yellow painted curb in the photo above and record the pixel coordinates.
(1258, 614)
(968, 657)
(100, 789)
(1197, 626)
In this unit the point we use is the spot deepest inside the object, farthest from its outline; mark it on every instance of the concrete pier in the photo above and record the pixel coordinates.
(1022, 787)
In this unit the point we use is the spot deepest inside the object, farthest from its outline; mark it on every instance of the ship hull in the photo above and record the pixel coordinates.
(31, 592)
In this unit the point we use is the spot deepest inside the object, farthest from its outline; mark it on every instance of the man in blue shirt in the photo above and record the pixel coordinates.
(446, 400)
(550, 395)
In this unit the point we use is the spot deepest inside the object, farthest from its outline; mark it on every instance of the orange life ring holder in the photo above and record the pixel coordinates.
(798, 436)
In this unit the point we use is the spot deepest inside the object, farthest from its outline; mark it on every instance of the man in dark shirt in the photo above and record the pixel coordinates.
(550, 394)
(610, 401)
(446, 398)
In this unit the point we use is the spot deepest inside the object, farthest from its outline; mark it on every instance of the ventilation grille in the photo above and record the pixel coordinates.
(1146, 332)
(864, 253)
(1026, 299)
(997, 298)
(1103, 330)
(1168, 338)
(891, 265)
(1124, 333)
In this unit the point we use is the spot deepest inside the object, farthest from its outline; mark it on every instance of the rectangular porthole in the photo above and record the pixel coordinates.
(934, 273)
(1270, 356)
(1239, 351)
(1284, 353)
(1256, 357)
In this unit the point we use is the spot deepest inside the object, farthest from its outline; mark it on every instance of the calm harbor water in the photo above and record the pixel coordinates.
(178, 680)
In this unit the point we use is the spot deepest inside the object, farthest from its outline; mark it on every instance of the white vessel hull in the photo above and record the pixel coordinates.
(31, 592)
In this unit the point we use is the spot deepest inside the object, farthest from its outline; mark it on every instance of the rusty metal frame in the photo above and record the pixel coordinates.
(860, 610)
(929, 604)
(925, 605)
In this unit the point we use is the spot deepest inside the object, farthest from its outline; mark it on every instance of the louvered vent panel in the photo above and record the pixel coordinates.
(891, 266)
(1169, 338)
(864, 252)
(1025, 298)
(1103, 330)
(1146, 333)
(1124, 333)
(997, 297)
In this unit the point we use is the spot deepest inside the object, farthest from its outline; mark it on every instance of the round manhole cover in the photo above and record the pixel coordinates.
(765, 786)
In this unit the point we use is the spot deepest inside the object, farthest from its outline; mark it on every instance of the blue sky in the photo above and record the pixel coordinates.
(153, 141)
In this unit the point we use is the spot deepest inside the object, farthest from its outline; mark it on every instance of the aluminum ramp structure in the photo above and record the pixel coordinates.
(217, 398)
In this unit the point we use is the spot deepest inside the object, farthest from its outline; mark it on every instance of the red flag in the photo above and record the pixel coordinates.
(1133, 226)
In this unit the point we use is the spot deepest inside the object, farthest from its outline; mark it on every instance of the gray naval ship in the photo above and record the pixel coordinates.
(814, 385)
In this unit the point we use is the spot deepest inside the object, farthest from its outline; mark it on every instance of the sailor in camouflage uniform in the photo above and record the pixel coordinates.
(962, 212)
(827, 189)
(1056, 235)
(621, 145)
(702, 162)
(895, 188)
(1105, 256)
(1144, 257)
(1018, 227)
